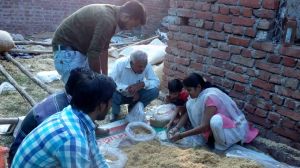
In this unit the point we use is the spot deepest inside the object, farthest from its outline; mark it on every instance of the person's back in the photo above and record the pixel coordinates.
(78, 29)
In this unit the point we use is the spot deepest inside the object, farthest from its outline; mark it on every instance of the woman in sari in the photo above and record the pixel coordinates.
(214, 116)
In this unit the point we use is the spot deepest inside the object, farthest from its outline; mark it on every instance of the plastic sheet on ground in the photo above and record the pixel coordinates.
(115, 157)
(265, 160)
(137, 113)
(48, 76)
(5, 87)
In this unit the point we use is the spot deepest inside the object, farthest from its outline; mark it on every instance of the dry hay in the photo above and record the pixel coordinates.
(152, 155)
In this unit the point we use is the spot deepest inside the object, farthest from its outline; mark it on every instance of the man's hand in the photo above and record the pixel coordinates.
(176, 137)
(133, 89)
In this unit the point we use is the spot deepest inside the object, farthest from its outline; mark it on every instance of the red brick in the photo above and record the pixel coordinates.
(235, 49)
(249, 108)
(188, 4)
(234, 11)
(277, 100)
(183, 61)
(275, 79)
(222, 18)
(263, 85)
(274, 59)
(208, 25)
(172, 43)
(241, 21)
(264, 94)
(228, 2)
(223, 46)
(201, 50)
(238, 87)
(287, 133)
(200, 42)
(290, 51)
(261, 113)
(290, 62)
(248, 62)
(169, 58)
(291, 83)
(264, 46)
(184, 13)
(196, 66)
(216, 36)
(291, 72)
(227, 84)
(228, 28)
(246, 53)
(274, 68)
(247, 12)
(187, 29)
(218, 26)
(237, 95)
(263, 75)
(224, 10)
(258, 120)
(239, 69)
(238, 30)
(181, 68)
(264, 13)
(290, 114)
(220, 54)
(264, 24)
(237, 77)
(251, 4)
(250, 32)
(216, 71)
(185, 46)
(173, 28)
(289, 103)
(271, 4)
(204, 15)
(274, 116)
(259, 54)
(215, 8)
(252, 72)
(238, 41)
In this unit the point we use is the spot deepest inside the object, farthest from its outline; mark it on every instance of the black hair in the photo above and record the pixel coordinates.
(76, 75)
(175, 85)
(90, 90)
(135, 10)
(194, 79)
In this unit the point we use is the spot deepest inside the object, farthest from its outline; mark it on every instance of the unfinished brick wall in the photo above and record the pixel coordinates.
(218, 39)
(28, 17)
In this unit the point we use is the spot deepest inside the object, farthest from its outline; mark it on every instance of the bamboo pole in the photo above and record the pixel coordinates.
(27, 73)
(31, 51)
(32, 43)
(138, 43)
(17, 86)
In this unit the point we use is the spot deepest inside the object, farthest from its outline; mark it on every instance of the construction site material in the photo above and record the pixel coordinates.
(23, 93)
(9, 120)
(6, 41)
(31, 51)
(27, 73)
(32, 43)
(115, 52)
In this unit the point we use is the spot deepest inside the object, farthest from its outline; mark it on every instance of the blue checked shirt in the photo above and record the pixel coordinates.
(66, 139)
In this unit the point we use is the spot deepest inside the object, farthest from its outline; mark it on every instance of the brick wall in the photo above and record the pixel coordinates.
(28, 17)
(218, 39)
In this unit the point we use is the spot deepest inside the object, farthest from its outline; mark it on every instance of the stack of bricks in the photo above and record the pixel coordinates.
(219, 39)
(28, 17)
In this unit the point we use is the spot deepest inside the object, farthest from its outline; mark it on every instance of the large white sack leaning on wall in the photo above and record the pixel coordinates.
(47, 76)
(158, 69)
(6, 41)
(155, 51)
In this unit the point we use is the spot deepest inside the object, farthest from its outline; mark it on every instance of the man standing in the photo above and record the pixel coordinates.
(136, 81)
(82, 39)
(67, 138)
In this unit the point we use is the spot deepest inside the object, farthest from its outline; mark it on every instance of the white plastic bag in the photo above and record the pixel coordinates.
(267, 161)
(48, 76)
(129, 130)
(164, 112)
(120, 157)
(137, 113)
(6, 41)
(6, 86)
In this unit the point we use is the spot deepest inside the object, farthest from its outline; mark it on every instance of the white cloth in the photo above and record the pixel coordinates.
(224, 137)
(124, 76)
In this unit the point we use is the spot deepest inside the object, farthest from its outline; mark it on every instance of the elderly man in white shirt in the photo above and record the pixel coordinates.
(136, 82)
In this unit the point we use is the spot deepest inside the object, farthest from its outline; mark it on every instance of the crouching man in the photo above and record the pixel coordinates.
(136, 82)
(67, 138)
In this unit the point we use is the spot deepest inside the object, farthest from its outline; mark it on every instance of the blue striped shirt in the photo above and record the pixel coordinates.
(66, 139)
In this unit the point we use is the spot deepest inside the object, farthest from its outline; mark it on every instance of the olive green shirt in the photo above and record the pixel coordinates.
(88, 30)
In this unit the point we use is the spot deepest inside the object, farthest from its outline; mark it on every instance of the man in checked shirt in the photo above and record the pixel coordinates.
(67, 138)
